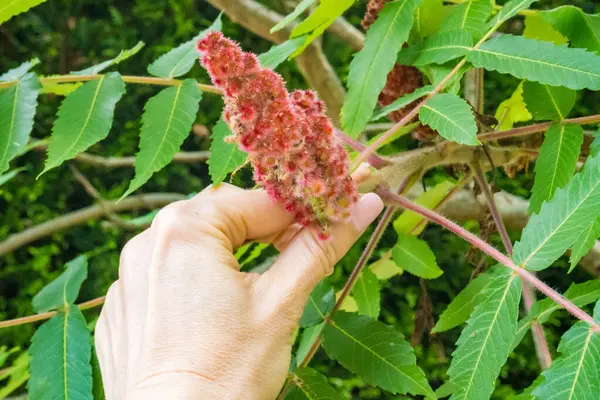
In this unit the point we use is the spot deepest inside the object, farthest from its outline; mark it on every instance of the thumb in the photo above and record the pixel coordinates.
(306, 259)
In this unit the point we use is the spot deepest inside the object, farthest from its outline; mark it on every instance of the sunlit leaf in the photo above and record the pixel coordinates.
(319, 303)
(512, 110)
(539, 61)
(548, 102)
(224, 157)
(438, 49)
(550, 233)
(414, 255)
(64, 289)
(122, 56)
(375, 351)
(370, 66)
(10, 8)
(311, 385)
(385, 269)
(300, 8)
(166, 122)
(18, 103)
(84, 118)
(279, 53)
(60, 358)
(582, 30)
(556, 162)
(428, 17)
(537, 28)
(367, 294)
(484, 344)
(584, 243)
(59, 89)
(452, 117)
(470, 16)
(180, 60)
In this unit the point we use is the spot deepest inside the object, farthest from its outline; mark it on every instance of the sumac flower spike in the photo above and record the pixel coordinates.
(288, 137)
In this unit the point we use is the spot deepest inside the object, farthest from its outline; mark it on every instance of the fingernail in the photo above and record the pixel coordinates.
(367, 209)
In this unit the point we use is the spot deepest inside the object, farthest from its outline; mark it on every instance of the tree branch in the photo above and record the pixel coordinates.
(149, 201)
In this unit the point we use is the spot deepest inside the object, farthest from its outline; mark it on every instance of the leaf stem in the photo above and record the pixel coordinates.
(47, 315)
(394, 199)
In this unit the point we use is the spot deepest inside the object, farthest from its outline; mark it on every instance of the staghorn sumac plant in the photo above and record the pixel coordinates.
(422, 65)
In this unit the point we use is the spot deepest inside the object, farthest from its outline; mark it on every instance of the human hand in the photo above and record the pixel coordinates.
(182, 322)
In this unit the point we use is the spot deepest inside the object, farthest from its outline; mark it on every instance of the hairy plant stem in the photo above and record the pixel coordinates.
(539, 337)
(47, 315)
(397, 200)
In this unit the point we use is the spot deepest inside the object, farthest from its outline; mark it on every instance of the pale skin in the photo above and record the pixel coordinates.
(182, 321)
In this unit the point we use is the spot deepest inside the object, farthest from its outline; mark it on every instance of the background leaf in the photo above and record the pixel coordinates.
(311, 385)
(367, 294)
(452, 117)
(63, 290)
(224, 157)
(470, 16)
(414, 255)
(320, 302)
(556, 162)
(402, 102)
(438, 49)
(548, 102)
(18, 103)
(122, 56)
(536, 27)
(84, 118)
(60, 358)
(9, 175)
(484, 344)
(376, 352)
(370, 66)
(428, 17)
(166, 122)
(10, 8)
(550, 233)
(576, 373)
(385, 269)
(584, 243)
(512, 110)
(582, 30)
(180, 60)
(300, 8)
(539, 61)
(279, 53)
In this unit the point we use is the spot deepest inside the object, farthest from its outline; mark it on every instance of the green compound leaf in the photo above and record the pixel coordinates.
(166, 122)
(484, 344)
(311, 385)
(300, 8)
(580, 294)
(319, 303)
(536, 27)
(470, 16)
(411, 223)
(224, 157)
(438, 49)
(279, 53)
(20, 71)
(180, 60)
(60, 358)
(367, 294)
(509, 10)
(370, 66)
(548, 102)
(63, 290)
(539, 61)
(452, 117)
(10, 8)
(556, 162)
(122, 56)
(376, 352)
(576, 373)
(326, 12)
(461, 307)
(584, 243)
(550, 233)
(512, 110)
(414, 255)
(84, 118)
(308, 337)
(582, 30)
(18, 103)
(402, 102)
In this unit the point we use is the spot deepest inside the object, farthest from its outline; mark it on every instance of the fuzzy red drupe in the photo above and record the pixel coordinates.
(289, 140)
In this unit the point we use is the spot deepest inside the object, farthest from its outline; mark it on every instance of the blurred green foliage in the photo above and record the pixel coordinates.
(72, 34)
